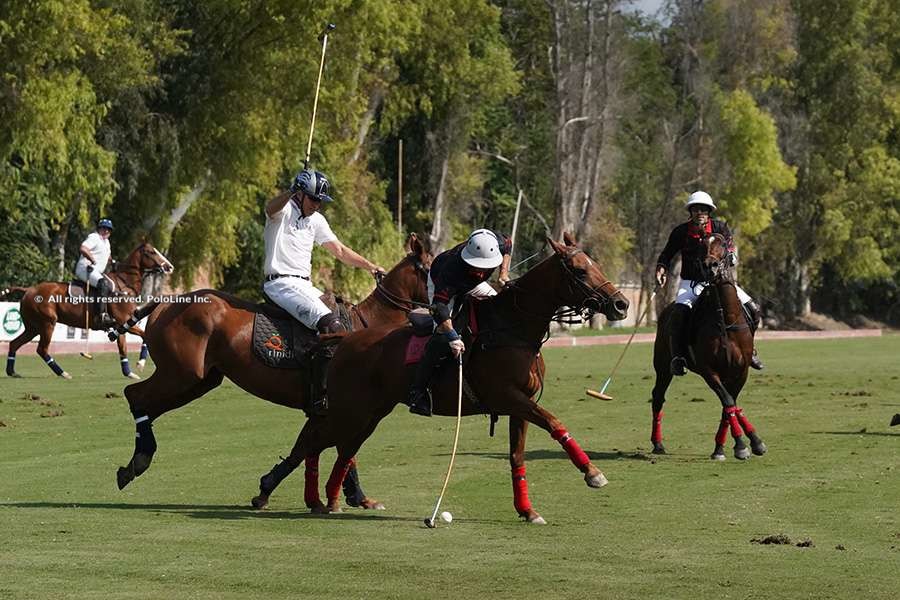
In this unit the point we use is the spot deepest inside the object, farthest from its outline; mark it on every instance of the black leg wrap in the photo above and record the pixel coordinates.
(353, 492)
(270, 481)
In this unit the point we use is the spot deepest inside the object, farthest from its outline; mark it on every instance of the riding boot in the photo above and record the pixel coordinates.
(104, 290)
(678, 333)
(318, 378)
(419, 396)
(755, 314)
(322, 356)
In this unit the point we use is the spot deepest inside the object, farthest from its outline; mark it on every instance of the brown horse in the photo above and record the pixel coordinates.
(366, 378)
(195, 345)
(720, 349)
(48, 303)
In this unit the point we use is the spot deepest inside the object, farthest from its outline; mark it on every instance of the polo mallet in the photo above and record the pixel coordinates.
(429, 522)
(87, 315)
(602, 395)
(312, 125)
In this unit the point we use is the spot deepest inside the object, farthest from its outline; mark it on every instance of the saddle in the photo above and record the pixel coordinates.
(281, 341)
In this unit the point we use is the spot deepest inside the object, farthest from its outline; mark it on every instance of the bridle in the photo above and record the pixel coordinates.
(158, 267)
(593, 299)
(397, 301)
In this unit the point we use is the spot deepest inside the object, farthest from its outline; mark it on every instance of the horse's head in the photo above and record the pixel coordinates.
(718, 259)
(586, 287)
(407, 282)
(150, 260)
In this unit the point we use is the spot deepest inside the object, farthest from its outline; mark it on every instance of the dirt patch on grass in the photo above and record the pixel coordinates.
(778, 538)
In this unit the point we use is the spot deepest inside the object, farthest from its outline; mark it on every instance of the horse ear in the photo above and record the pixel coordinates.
(569, 239)
(414, 245)
(557, 247)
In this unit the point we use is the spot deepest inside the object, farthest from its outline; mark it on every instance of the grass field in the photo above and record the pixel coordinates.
(677, 526)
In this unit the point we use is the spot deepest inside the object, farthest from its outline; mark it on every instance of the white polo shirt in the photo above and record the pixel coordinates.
(99, 249)
(289, 240)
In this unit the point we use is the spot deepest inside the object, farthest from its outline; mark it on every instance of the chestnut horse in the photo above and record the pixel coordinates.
(196, 344)
(367, 379)
(721, 344)
(48, 303)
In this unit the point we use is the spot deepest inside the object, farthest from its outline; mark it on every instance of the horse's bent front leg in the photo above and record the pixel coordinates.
(728, 421)
(545, 420)
(518, 428)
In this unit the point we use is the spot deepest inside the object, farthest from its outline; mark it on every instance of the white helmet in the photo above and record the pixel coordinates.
(482, 251)
(699, 197)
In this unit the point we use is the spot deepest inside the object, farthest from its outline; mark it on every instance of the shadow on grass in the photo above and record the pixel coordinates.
(215, 511)
(561, 455)
(878, 433)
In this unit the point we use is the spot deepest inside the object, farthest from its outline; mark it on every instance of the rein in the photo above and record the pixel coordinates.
(397, 301)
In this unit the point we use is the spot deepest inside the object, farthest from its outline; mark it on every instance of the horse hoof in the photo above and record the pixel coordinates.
(537, 520)
(140, 365)
(742, 453)
(596, 481)
(133, 376)
(759, 449)
(370, 504)
(717, 456)
(124, 477)
(658, 449)
(65, 375)
(260, 502)
(318, 509)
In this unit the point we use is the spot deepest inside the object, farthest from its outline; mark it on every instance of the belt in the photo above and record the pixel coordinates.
(273, 277)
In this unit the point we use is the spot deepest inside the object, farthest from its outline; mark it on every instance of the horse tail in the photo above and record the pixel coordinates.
(12, 290)
(139, 314)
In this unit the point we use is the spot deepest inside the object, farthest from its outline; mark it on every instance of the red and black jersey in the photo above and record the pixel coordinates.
(452, 277)
(687, 239)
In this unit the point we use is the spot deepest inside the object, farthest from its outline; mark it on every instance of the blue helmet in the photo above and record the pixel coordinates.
(312, 183)
(105, 223)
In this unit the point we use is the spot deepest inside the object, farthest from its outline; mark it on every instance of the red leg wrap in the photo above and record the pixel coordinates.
(743, 421)
(736, 430)
(722, 433)
(333, 487)
(311, 483)
(656, 435)
(576, 454)
(520, 490)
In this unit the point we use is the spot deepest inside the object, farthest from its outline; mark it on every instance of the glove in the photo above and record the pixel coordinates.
(457, 347)
(661, 275)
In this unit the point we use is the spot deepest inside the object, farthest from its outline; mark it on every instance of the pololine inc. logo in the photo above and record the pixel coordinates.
(12, 320)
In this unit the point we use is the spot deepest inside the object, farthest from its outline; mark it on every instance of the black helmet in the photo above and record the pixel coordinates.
(312, 183)
(105, 223)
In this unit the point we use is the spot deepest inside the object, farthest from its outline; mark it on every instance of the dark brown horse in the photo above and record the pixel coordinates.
(46, 304)
(195, 345)
(367, 379)
(721, 344)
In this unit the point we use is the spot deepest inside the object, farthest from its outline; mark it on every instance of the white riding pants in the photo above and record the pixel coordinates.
(688, 294)
(93, 279)
(299, 297)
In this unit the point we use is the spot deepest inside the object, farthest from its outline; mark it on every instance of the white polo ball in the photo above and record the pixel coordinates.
(446, 517)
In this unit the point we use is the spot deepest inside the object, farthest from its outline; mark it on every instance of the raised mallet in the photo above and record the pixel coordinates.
(312, 124)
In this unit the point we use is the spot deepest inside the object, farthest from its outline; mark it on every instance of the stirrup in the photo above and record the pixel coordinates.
(755, 363)
(678, 366)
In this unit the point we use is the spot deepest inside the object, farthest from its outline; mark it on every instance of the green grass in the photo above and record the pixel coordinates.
(677, 526)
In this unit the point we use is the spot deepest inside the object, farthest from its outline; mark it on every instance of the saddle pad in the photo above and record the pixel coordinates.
(75, 289)
(281, 343)
(415, 348)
